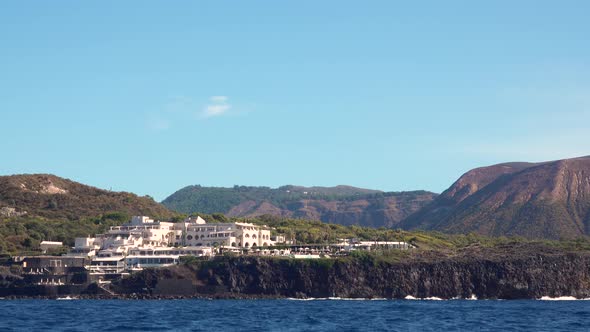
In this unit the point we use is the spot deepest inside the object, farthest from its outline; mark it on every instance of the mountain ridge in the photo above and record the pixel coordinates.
(534, 200)
(51, 196)
(342, 204)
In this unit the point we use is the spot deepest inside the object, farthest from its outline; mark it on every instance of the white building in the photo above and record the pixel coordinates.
(144, 242)
(356, 244)
(46, 245)
(237, 235)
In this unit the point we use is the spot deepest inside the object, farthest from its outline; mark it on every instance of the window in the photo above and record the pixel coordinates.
(189, 237)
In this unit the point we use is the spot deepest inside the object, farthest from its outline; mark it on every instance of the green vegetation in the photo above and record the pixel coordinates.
(54, 198)
(317, 232)
(22, 235)
(193, 199)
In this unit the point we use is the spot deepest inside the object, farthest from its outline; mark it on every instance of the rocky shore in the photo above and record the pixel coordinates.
(508, 272)
(518, 271)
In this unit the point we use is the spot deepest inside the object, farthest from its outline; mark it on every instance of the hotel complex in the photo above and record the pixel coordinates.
(144, 242)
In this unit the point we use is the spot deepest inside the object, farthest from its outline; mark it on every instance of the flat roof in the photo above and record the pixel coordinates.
(152, 256)
(107, 259)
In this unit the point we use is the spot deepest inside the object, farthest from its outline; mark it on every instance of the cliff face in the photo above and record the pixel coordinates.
(506, 273)
(547, 200)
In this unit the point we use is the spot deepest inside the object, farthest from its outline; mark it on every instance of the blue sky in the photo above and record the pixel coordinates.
(150, 96)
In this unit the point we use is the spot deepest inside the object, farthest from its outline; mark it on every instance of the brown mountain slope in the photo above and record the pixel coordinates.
(341, 204)
(376, 211)
(50, 196)
(545, 200)
(469, 183)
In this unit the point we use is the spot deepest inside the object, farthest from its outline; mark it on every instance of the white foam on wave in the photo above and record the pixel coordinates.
(431, 298)
(66, 298)
(472, 298)
(562, 298)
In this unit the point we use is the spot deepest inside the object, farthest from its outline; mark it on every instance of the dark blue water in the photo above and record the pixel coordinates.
(287, 315)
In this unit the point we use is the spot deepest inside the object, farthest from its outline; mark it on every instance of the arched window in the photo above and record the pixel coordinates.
(189, 237)
(247, 236)
(233, 244)
(247, 244)
(253, 245)
(265, 244)
(253, 236)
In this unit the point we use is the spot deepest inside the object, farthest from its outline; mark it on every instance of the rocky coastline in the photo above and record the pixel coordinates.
(518, 271)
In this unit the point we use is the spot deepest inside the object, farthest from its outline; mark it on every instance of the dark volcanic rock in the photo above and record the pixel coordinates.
(514, 272)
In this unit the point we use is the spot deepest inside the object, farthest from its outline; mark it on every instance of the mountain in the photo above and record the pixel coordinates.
(341, 204)
(49, 196)
(534, 200)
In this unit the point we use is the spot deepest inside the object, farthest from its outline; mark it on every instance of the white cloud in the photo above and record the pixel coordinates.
(219, 99)
(218, 105)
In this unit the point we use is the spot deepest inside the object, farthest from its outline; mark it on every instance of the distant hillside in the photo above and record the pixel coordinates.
(341, 205)
(49, 196)
(543, 200)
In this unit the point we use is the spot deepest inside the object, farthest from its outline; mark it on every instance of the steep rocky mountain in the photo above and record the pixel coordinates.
(49, 196)
(533, 200)
(341, 205)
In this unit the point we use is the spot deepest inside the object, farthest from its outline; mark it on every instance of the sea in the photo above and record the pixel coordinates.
(294, 315)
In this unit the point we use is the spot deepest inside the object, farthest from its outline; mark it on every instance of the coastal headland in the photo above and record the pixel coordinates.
(508, 271)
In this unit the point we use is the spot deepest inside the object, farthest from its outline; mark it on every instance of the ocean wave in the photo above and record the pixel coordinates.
(431, 298)
(562, 298)
(336, 299)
